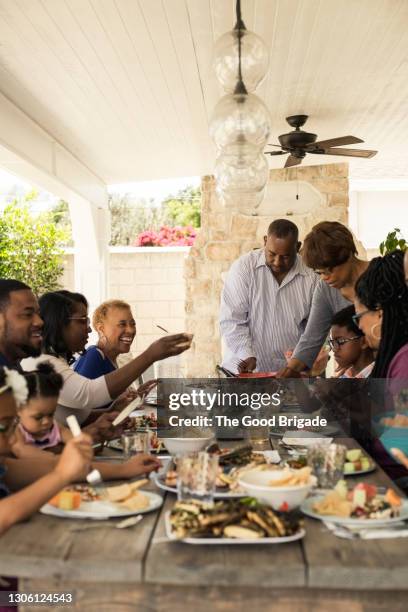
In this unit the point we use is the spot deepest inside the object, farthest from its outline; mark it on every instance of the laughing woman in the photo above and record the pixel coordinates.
(116, 328)
(113, 321)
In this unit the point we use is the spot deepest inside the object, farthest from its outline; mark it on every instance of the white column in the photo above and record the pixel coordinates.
(91, 234)
(33, 154)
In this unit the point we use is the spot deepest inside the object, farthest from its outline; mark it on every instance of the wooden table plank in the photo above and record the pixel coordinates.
(49, 547)
(338, 563)
(177, 563)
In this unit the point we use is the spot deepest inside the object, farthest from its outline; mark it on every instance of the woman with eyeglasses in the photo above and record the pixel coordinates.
(65, 333)
(330, 250)
(382, 314)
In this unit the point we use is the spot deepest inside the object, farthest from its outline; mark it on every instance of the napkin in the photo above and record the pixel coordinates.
(271, 456)
(396, 530)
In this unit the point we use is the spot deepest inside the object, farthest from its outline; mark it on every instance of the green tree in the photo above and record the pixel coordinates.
(62, 219)
(184, 208)
(30, 246)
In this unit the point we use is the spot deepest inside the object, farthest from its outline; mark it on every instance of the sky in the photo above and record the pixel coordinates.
(11, 185)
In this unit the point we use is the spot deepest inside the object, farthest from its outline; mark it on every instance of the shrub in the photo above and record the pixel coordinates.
(167, 236)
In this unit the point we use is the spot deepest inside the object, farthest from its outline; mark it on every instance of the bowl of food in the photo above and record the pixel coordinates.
(282, 489)
(182, 446)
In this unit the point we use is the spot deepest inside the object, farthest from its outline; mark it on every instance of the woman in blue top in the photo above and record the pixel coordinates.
(116, 328)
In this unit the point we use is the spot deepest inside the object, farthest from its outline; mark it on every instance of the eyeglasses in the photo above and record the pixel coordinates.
(356, 318)
(86, 320)
(10, 426)
(336, 343)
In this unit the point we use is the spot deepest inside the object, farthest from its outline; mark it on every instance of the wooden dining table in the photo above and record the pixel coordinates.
(137, 568)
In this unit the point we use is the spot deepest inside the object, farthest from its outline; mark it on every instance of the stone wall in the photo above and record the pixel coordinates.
(227, 233)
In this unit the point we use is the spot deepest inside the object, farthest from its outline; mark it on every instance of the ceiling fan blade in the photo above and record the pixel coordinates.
(349, 152)
(273, 145)
(276, 152)
(292, 161)
(335, 142)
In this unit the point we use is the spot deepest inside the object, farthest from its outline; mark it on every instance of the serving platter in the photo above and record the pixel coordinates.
(230, 541)
(307, 509)
(101, 510)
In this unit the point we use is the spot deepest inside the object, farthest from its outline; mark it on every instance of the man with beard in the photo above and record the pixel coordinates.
(20, 323)
(266, 302)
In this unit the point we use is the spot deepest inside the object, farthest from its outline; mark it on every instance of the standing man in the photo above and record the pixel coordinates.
(265, 302)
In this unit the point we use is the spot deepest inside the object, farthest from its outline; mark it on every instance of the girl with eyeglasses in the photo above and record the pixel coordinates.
(349, 345)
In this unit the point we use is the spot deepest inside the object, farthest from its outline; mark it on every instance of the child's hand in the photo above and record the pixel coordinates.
(76, 458)
(140, 464)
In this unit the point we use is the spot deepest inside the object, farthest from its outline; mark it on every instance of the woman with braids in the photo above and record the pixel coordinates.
(329, 249)
(382, 314)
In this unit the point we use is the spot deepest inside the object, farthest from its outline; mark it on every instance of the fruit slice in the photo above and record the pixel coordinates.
(349, 467)
(353, 454)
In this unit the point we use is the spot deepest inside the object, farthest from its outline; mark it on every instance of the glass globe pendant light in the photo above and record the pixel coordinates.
(240, 114)
(233, 174)
(254, 57)
(240, 123)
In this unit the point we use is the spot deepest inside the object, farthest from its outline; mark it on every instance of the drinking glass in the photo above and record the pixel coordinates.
(135, 442)
(327, 463)
(196, 476)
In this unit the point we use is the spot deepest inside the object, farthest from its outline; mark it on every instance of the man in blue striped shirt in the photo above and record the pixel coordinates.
(266, 302)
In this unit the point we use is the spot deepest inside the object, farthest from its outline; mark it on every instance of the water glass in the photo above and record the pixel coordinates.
(327, 463)
(135, 442)
(196, 476)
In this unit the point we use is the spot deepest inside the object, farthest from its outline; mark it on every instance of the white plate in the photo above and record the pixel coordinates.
(359, 472)
(297, 536)
(307, 508)
(159, 481)
(307, 438)
(117, 445)
(100, 510)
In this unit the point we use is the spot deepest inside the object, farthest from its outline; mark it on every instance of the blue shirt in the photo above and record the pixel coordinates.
(93, 363)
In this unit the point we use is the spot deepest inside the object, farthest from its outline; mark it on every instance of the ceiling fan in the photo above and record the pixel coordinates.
(298, 143)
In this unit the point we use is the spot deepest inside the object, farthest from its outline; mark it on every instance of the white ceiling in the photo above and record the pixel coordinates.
(127, 85)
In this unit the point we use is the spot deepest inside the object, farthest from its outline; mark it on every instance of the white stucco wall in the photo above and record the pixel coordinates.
(151, 280)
